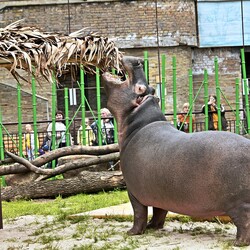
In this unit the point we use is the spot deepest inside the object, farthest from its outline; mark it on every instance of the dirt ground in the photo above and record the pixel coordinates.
(39, 232)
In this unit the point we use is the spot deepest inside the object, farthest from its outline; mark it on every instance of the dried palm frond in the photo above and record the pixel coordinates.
(42, 53)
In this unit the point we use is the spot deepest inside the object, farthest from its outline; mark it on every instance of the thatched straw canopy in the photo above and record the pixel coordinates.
(42, 53)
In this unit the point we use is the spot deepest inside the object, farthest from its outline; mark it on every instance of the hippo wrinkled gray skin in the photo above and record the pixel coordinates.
(203, 174)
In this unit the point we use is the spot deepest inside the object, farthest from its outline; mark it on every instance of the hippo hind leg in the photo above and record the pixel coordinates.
(158, 219)
(241, 219)
(140, 216)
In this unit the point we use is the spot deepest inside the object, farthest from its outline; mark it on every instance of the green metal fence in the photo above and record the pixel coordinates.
(239, 124)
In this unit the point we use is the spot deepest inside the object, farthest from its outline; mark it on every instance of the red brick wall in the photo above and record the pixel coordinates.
(132, 24)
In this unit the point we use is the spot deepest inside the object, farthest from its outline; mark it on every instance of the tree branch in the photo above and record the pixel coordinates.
(60, 152)
(67, 166)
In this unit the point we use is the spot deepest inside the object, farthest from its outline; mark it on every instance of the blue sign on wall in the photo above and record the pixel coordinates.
(221, 23)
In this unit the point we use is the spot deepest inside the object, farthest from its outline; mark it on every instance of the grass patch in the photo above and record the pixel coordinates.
(44, 239)
(62, 207)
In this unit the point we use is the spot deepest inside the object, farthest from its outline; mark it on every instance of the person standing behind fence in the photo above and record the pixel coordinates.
(88, 134)
(29, 142)
(213, 114)
(107, 128)
(60, 130)
(183, 119)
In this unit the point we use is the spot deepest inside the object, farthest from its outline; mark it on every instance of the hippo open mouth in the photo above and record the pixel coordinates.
(112, 78)
(142, 90)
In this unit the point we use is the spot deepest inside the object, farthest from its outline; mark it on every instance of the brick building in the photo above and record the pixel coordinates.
(169, 27)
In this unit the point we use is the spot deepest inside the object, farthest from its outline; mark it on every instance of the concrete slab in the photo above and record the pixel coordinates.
(118, 210)
(127, 210)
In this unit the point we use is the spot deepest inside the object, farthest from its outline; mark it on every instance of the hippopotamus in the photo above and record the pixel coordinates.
(200, 174)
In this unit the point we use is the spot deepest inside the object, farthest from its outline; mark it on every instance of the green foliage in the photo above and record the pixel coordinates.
(62, 207)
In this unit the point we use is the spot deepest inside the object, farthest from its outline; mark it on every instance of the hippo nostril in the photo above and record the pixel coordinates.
(140, 89)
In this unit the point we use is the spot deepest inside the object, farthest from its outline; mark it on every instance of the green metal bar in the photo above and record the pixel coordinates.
(34, 106)
(217, 84)
(75, 114)
(146, 65)
(115, 123)
(83, 108)
(19, 117)
(190, 111)
(1, 137)
(66, 105)
(53, 137)
(4, 184)
(190, 76)
(163, 83)
(70, 122)
(198, 92)
(174, 91)
(237, 102)
(228, 103)
(98, 97)
(246, 88)
(206, 98)
(241, 125)
(194, 99)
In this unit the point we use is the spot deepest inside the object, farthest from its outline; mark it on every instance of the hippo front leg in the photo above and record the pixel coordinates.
(241, 218)
(140, 216)
(158, 219)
